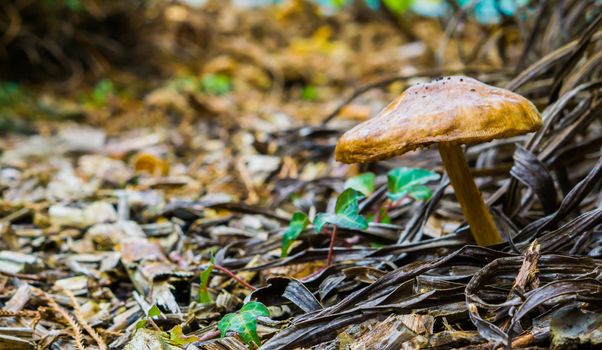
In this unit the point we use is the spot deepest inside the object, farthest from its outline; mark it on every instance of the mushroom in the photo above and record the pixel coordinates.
(448, 112)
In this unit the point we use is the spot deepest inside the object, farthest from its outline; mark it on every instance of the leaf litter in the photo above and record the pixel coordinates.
(187, 212)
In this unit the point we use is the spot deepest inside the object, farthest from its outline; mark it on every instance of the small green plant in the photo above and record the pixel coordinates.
(153, 312)
(101, 94)
(244, 322)
(309, 93)
(204, 296)
(346, 215)
(10, 93)
(410, 182)
(338, 3)
(401, 182)
(363, 183)
(398, 6)
(298, 223)
(216, 84)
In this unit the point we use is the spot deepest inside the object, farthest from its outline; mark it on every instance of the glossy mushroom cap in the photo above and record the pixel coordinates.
(454, 110)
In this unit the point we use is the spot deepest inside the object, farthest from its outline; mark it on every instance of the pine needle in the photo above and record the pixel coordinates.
(81, 319)
(76, 329)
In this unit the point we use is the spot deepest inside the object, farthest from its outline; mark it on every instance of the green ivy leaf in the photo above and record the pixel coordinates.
(256, 308)
(407, 182)
(141, 324)
(204, 296)
(322, 219)
(420, 193)
(363, 183)
(244, 322)
(347, 202)
(298, 223)
(154, 312)
(177, 337)
(225, 323)
(346, 213)
(398, 6)
(245, 325)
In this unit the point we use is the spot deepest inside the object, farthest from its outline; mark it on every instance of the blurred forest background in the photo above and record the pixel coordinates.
(100, 60)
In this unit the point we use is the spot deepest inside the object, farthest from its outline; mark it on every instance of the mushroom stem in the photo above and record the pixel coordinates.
(475, 211)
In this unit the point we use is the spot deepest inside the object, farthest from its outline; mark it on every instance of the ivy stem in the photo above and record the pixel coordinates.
(333, 235)
(234, 277)
(377, 215)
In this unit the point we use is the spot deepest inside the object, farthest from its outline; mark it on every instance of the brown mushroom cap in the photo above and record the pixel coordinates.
(455, 110)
